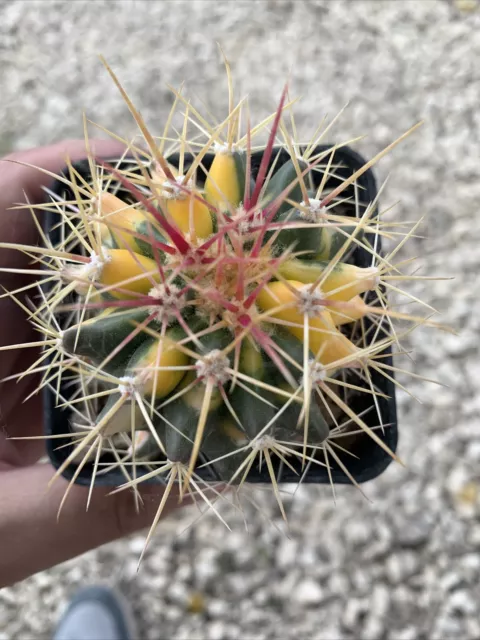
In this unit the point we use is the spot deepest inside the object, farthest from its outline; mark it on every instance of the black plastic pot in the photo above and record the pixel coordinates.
(370, 461)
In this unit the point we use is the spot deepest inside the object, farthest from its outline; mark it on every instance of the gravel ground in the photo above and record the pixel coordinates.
(406, 565)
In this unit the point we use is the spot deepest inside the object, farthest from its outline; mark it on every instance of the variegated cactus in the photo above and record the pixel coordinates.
(203, 313)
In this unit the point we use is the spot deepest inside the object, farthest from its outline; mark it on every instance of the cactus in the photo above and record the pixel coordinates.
(207, 313)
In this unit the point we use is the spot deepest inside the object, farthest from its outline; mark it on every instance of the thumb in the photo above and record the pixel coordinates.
(52, 158)
(33, 539)
(19, 181)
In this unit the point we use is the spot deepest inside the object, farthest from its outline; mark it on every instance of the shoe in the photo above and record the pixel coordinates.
(96, 613)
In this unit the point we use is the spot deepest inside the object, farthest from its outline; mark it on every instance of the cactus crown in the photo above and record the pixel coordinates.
(206, 310)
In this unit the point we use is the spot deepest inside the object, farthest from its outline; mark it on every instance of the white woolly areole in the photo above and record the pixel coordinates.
(93, 270)
(318, 373)
(374, 280)
(264, 442)
(59, 341)
(214, 367)
(222, 148)
(314, 211)
(127, 386)
(90, 271)
(171, 188)
(169, 302)
(310, 303)
(245, 224)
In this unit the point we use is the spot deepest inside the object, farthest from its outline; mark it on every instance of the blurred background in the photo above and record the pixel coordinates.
(406, 564)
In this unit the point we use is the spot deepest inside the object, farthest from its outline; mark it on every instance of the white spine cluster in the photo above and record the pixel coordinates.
(313, 211)
(214, 367)
(264, 442)
(128, 386)
(318, 372)
(310, 303)
(170, 303)
(222, 149)
(89, 272)
(171, 188)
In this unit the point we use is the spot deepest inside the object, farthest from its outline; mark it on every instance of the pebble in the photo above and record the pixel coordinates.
(353, 613)
(286, 553)
(408, 633)
(380, 600)
(217, 608)
(463, 603)
(400, 566)
(137, 544)
(205, 567)
(413, 531)
(238, 584)
(178, 593)
(373, 628)
(216, 630)
(338, 584)
(308, 593)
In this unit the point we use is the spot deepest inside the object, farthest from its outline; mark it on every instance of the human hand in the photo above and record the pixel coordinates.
(30, 536)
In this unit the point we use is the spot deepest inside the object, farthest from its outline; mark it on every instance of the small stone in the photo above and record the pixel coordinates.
(373, 629)
(216, 630)
(178, 593)
(409, 633)
(137, 545)
(458, 345)
(461, 602)
(354, 611)
(474, 536)
(286, 553)
(307, 593)
(328, 633)
(217, 608)
(380, 544)
(174, 613)
(400, 566)
(473, 628)
(261, 596)
(380, 600)
(472, 451)
(360, 581)
(456, 479)
(286, 588)
(308, 557)
(357, 534)
(338, 584)
(184, 572)
(239, 584)
(206, 566)
(414, 531)
(470, 564)
(448, 627)
(450, 581)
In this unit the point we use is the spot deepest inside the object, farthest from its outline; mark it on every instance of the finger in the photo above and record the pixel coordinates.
(25, 420)
(36, 540)
(15, 330)
(18, 181)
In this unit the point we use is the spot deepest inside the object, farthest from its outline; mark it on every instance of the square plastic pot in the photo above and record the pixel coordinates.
(370, 459)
